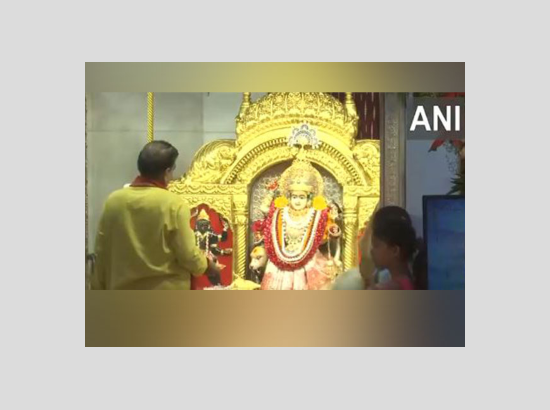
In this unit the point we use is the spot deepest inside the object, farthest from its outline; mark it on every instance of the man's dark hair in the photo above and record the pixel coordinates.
(155, 158)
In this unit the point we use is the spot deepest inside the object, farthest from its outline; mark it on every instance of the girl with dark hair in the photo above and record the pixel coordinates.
(394, 247)
(391, 255)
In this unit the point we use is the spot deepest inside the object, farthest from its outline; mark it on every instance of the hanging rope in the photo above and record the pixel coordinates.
(150, 116)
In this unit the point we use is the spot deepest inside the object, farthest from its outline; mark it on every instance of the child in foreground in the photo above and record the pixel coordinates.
(393, 247)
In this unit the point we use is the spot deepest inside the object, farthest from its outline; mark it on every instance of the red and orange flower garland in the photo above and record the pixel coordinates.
(269, 245)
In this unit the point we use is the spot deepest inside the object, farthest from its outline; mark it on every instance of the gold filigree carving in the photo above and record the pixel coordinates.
(366, 209)
(240, 202)
(186, 187)
(223, 171)
(273, 151)
(367, 153)
(350, 241)
(211, 161)
(239, 260)
(281, 110)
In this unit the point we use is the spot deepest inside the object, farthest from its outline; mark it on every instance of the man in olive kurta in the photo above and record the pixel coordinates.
(144, 240)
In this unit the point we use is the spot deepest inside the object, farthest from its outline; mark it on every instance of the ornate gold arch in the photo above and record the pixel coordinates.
(222, 171)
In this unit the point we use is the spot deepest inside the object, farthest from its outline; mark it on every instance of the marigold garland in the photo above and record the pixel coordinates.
(269, 244)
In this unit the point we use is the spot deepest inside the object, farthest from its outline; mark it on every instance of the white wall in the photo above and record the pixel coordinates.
(116, 129)
(427, 173)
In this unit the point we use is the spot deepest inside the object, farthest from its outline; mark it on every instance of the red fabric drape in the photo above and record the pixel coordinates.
(368, 109)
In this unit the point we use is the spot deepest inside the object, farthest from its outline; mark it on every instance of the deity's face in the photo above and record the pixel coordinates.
(298, 200)
(203, 225)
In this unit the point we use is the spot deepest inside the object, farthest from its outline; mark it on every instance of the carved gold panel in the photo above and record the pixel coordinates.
(222, 172)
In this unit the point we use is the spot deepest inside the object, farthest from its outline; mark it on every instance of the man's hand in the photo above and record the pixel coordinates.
(213, 272)
(213, 267)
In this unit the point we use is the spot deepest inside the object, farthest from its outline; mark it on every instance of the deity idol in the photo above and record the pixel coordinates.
(208, 240)
(298, 225)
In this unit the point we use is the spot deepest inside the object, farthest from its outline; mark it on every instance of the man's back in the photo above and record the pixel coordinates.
(144, 241)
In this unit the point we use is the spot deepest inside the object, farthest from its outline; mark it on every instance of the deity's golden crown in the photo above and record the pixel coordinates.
(203, 216)
(302, 175)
